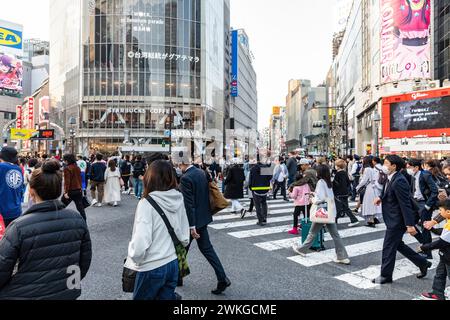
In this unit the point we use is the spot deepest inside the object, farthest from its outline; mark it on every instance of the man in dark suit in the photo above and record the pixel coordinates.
(425, 192)
(399, 218)
(195, 189)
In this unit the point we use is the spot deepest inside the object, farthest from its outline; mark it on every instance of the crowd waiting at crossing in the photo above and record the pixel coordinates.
(174, 208)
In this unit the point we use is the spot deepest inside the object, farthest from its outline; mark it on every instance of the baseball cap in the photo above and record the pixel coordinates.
(8, 154)
(304, 161)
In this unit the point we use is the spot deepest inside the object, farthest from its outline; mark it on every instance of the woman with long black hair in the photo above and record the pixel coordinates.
(324, 192)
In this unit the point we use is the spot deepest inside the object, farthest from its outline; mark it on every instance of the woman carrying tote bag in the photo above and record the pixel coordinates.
(323, 213)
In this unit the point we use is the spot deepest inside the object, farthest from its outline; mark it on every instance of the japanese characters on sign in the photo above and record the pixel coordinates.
(162, 56)
(19, 117)
(31, 112)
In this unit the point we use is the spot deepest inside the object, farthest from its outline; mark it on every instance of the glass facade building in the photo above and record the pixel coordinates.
(442, 40)
(127, 71)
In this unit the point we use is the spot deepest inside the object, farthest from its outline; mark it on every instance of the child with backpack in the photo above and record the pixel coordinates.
(302, 201)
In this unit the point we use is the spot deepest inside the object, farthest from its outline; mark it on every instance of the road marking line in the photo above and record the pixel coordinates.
(271, 230)
(280, 206)
(362, 279)
(347, 233)
(354, 250)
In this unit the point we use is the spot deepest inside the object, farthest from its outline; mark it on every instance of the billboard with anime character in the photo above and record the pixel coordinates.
(405, 40)
(11, 71)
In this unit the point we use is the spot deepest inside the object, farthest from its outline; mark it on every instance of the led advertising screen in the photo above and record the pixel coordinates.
(11, 74)
(420, 115)
(405, 40)
(425, 113)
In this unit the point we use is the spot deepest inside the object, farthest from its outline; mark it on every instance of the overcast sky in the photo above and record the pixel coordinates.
(290, 39)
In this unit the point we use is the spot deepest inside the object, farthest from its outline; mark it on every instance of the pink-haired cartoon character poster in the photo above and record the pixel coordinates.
(405, 40)
(11, 70)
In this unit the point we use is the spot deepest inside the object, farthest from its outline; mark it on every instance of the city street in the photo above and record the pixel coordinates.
(259, 261)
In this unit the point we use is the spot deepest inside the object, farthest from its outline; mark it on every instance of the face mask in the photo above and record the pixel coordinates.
(410, 172)
(386, 169)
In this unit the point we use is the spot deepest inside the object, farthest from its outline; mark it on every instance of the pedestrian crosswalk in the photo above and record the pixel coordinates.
(363, 244)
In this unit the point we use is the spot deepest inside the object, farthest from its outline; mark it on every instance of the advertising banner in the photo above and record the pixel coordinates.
(19, 117)
(405, 40)
(234, 63)
(22, 134)
(44, 109)
(11, 75)
(30, 112)
(424, 113)
(11, 40)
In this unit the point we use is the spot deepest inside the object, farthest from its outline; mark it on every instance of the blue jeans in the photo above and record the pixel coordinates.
(158, 284)
(83, 181)
(138, 186)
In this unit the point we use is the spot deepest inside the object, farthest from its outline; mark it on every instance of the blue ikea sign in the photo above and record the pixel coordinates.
(10, 38)
(234, 64)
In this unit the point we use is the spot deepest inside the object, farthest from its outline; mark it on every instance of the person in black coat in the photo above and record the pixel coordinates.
(234, 187)
(51, 243)
(399, 218)
(195, 189)
(342, 191)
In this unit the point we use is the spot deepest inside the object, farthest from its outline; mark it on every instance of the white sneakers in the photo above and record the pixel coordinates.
(297, 250)
(353, 224)
(94, 202)
(345, 261)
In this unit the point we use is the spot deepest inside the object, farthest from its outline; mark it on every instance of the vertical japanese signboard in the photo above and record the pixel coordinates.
(19, 117)
(234, 63)
(31, 113)
(405, 40)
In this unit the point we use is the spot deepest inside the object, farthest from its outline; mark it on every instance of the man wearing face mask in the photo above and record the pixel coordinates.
(399, 218)
(425, 193)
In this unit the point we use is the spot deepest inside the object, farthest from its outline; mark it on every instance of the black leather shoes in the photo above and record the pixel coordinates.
(180, 282)
(382, 280)
(221, 287)
(424, 271)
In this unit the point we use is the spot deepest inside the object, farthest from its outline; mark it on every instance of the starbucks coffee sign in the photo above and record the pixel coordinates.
(126, 110)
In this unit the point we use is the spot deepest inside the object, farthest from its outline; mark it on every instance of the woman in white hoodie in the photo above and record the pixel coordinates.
(151, 251)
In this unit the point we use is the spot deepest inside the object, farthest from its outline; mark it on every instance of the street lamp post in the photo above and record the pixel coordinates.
(377, 120)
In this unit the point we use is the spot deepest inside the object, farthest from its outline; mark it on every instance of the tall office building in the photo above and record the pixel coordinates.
(243, 114)
(126, 73)
(441, 40)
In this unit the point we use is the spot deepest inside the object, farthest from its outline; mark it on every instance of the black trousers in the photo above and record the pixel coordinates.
(252, 204)
(282, 186)
(301, 210)
(126, 179)
(342, 208)
(261, 207)
(77, 197)
(393, 242)
(207, 249)
(442, 272)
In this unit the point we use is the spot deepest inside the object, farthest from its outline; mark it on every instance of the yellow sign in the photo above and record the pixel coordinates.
(10, 38)
(276, 111)
(22, 134)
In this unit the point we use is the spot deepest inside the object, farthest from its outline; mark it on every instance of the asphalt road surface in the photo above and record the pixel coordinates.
(258, 260)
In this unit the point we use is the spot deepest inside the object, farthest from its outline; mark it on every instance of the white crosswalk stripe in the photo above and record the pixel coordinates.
(272, 230)
(287, 243)
(362, 279)
(364, 242)
(354, 250)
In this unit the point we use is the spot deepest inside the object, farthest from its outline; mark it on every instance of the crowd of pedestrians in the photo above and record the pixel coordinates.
(175, 209)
